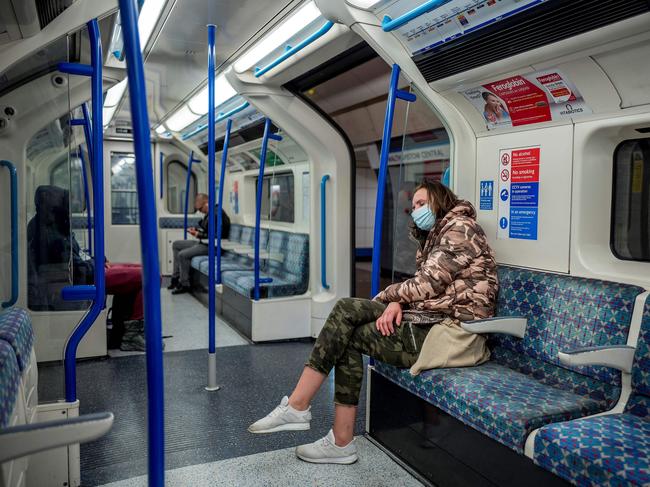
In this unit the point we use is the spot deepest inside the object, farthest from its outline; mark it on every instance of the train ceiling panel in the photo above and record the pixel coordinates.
(178, 60)
(543, 22)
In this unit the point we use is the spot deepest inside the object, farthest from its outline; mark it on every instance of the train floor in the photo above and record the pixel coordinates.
(206, 438)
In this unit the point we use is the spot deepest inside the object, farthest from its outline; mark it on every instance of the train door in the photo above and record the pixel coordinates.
(121, 202)
(352, 90)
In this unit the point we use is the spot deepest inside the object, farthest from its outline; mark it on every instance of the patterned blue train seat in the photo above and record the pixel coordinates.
(609, 450)
(524, 387)
(9, 382)
(16, 330)
(288, 268)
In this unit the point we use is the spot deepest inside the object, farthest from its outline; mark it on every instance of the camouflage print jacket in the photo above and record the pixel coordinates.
(456, 270)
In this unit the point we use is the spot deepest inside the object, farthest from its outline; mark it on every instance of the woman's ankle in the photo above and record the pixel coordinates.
(297, 404)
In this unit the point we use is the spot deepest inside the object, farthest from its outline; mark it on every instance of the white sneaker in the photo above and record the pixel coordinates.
(282, 418)
(326, 451)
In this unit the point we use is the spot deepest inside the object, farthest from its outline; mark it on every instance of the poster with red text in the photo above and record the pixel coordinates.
(531, 98)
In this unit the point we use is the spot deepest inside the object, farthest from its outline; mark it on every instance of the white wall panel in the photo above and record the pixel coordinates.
(551, 250)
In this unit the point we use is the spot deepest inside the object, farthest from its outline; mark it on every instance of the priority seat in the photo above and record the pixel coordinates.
(287, 268)
(524, 386)
(607, 450)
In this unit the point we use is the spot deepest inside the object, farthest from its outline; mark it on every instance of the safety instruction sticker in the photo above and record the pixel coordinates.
(536, 97)
(518, 193)
(487, 195)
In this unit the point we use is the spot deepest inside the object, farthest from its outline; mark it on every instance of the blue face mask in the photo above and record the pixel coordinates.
(424, 218)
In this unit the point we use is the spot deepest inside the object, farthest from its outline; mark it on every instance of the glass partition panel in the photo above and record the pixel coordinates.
(421, 152)
(176, 183)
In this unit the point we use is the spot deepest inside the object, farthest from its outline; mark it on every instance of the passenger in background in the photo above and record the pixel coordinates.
(455, 280)
(185, 250)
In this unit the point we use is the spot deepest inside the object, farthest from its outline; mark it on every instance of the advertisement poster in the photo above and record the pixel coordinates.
(523, 100)
(518, 193)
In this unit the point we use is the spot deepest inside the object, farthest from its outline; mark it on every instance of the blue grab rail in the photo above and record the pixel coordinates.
(87, 198)
(323, 232)
(148, 243)
(290, 51)
(258, 206)
(220, 118)
(388, 24)
(212, 32)
(393, 94)
(95, 73)
(13, 182)
(191, 161)
(222, 176)
(162, 158)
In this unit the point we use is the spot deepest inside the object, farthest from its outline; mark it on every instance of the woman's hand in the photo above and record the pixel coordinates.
(392, 314)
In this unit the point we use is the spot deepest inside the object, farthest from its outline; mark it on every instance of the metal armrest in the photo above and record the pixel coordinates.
(23, 440)
(508, 325)
(616, 356)
(266, 255)
(228, 245)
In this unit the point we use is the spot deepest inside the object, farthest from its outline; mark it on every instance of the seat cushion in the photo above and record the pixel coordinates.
(243, 282)
(16, 330)
(198, 260)
(611, 450)
(9, 382)
(639, 403)
(496, 400)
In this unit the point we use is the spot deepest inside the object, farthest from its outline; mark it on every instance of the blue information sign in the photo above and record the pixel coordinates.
(487, 195)
(523, 223)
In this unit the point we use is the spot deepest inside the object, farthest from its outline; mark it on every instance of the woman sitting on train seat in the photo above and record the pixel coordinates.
(456, 280)
(52, 249)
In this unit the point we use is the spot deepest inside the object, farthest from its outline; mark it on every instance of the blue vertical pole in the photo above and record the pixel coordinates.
(148, 243)
(99, 289)
(393, 94)
(212, 363)
(187, 193)
(323, 232)
(222, 176)
(258, 204)
(87, 198)
(13, 183)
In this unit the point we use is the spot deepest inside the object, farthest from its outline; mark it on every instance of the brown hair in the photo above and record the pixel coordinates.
(441, 198)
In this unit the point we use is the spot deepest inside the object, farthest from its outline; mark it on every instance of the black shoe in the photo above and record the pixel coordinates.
(174, 284)
(182, 290)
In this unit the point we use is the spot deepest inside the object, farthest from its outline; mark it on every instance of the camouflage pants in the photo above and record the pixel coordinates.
(348, 333)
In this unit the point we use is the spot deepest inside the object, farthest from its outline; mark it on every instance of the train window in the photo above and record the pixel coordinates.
(69, 174)
(630, 228)
(176, 184)
(278, 197)
(124, 195)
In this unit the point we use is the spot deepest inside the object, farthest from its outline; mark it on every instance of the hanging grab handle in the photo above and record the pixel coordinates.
(220, 118)
(290, 51)
(13, 181)
(393, 94)
(389, 24)
(190, 161)
(258, 207)
(323, 232)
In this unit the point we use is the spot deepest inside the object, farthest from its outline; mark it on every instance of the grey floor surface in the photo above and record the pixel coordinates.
(200, 427)
(186, 320)
(282, 469)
